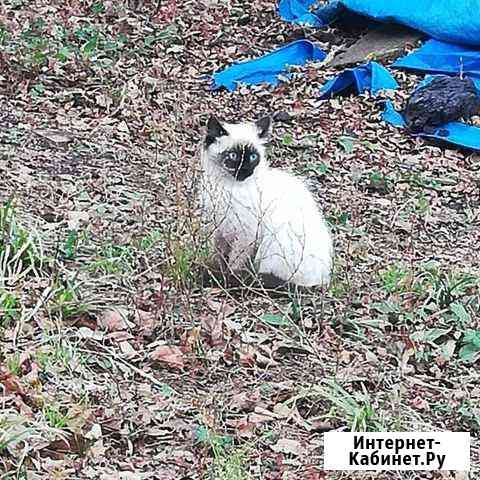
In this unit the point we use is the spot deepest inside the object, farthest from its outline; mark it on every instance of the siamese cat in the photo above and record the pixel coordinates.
(262, 219)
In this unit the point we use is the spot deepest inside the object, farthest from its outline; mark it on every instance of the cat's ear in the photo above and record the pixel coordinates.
(264, 127)
(215, 129)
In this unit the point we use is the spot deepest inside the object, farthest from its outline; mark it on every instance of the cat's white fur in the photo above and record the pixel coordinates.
(271, 216)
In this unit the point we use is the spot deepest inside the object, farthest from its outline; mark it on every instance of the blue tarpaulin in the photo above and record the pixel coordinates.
(441, 57)
(370, 77)
(298, 11)
(455, 50)
(456, 133)
(455, 21)
(266, 69)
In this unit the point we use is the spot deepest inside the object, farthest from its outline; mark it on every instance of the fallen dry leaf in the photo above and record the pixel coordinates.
(263, 360)
(55, 136)
(32, 376)
(112, 320)
(221, 308)
(320, 426)
(190, 339)
(420, 404)
(245, 401)
(128, 350)
(243, 427)
(170, 355)
(145, 320)
(345, 356)
(11, 383)
(212, 326)
(283, 411)
(289, 446)
(246, 354)
(258, 418)
(76, 218)
(95, 435)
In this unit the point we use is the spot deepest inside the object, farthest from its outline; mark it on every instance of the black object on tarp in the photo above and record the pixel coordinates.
(443, 99)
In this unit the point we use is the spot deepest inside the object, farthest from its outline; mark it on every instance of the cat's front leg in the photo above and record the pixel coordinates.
(215, 269)
(222, 249)
(231, 262)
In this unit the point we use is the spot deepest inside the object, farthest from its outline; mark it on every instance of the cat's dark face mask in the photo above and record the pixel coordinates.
(240, 161)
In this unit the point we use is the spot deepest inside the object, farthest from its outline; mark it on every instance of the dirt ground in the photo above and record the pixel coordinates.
(115, 363)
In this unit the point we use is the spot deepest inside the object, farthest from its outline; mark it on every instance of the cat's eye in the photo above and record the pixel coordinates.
(253, 157)
(232, 156)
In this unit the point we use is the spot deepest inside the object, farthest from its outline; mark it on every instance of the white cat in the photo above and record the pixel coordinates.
(261, 217)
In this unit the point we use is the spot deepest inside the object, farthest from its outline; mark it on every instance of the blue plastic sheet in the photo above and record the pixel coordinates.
(456, 133)
(391, 116)
(267, 68)
(298, 11)
(440, 57)
(455, 21)
(370, 77)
